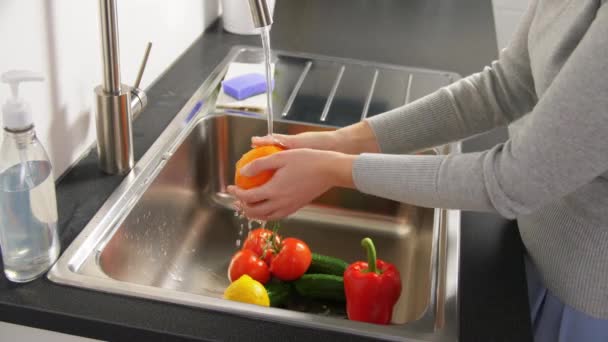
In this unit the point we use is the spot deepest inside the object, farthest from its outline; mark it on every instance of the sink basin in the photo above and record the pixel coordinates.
(182, 232)
(168, 232)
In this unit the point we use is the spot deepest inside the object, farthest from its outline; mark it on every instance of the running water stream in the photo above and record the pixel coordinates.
(265, 33)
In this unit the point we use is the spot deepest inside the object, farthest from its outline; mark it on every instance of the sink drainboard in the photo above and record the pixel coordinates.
(340, 92)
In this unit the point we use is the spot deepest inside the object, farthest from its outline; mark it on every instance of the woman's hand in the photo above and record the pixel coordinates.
(325, 141)
(301, 176)
(353, 139)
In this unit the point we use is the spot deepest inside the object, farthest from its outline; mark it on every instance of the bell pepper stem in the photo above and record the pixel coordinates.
(369, 247)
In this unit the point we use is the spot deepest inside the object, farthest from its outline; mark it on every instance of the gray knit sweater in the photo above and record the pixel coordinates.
(551, 85)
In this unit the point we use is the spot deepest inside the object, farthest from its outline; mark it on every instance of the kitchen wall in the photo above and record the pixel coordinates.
(507, 14)
(61, 39)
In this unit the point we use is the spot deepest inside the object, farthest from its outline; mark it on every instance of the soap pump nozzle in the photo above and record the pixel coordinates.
(17, 114)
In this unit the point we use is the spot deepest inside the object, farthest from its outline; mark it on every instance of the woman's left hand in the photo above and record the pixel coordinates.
(301, 176)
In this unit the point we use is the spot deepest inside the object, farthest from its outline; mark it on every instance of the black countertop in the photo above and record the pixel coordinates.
(450, 35)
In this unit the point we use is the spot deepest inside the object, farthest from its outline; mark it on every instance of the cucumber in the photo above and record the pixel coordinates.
(321, 286)
(278, 292)
(327, 265)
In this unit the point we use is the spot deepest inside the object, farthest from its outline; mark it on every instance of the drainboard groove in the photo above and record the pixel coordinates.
(408, 92)
(370, 95)
(332, 93)
(296, 89)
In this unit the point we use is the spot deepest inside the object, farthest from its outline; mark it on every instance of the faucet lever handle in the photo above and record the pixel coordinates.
(142, 67)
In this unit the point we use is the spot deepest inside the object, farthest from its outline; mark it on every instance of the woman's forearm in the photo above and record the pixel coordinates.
(494, 97)
(560, 148)
(356, 139)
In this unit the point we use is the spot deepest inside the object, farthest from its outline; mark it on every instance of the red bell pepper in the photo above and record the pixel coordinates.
(372, 288)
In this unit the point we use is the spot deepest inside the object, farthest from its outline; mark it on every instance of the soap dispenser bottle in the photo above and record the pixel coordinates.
(28, 204)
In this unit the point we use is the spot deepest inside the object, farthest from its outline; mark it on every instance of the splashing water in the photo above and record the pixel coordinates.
(265, 35)
(239, 238)
(251, 224)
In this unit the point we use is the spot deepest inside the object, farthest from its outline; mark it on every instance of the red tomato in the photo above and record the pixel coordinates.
(292, 261)
(259, 241)
(247, 262)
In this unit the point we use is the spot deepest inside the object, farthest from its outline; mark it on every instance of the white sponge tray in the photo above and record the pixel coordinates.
(255, 103)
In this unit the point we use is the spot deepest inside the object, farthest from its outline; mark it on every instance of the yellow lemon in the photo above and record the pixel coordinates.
(247, 290)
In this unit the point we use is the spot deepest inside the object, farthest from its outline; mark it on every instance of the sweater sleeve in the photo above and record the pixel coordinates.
(560, 147)
(494, 97)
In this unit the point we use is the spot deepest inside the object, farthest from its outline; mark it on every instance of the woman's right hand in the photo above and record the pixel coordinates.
(353, 139)
(326, 141)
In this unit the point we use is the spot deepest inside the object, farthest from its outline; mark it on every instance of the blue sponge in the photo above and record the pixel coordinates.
(244, 86)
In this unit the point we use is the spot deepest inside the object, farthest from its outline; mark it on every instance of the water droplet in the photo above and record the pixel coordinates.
(175, 277)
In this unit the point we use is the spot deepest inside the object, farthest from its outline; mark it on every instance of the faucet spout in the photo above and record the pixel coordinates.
(260, 13)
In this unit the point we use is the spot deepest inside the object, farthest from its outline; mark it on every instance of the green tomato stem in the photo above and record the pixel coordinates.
(275, 231)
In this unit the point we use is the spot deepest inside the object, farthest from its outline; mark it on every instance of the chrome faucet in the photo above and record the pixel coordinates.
(260, 13)
(117, 104)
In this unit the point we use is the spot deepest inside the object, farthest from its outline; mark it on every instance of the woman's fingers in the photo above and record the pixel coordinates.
(260, 211)
(275, 216)
(313, 140)
(271, 162)
(254, 195)
(253, 204)
(275, 139)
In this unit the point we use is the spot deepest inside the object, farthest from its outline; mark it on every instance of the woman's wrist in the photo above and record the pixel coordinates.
(356, 139)
(339, 167)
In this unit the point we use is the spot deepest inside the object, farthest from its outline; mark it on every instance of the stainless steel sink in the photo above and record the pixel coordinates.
(168, 232)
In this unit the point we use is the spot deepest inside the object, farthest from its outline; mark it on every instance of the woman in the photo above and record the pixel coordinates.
(551, 175)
